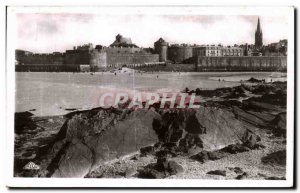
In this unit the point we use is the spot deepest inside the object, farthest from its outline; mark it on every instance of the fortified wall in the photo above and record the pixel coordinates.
(86, 57)
(41, 59)
(180, 54)
(121, 52)
(130, 58)
(242, 63)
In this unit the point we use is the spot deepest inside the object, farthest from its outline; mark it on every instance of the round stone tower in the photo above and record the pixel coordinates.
(161, 48)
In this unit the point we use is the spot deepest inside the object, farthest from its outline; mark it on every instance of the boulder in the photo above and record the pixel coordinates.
(24, 122)
(201, 157)
(151, 172)
(101, 136)
(174, 168)
(278, 124)
(147, 150)
(106, 134)
(217, 172)
(235, 148)
(275, 158)
(275, 178)
(237, 170)
(75, 163)
(130, 172)
(204, 156)
(242, 176)
(222, 128)
(162, 169)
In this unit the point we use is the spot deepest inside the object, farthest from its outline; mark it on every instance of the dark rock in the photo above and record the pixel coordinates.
(234, 95)
(258, 146)
(237, 170)
(174, 168)
(193, 126)
(215, 155)
(147, 150)
(278, 124)
(70, 109)
(236, 92)
(275, 158)
(242, 176)
(190, 141)
(158, 145)
(130, 172)
(254, 80)
(162, 153)
(275, 178)
(104, 136)
(217, 172)
(250, 139)
(262, 175)
(201, 157)
(205, 156)
(193, 151)
(235, 148)
(248, 117)
(150, 172)
(134, 158)
(75, 163)
(169, 145)
(162, 163)
(277, 98)
(24, 122)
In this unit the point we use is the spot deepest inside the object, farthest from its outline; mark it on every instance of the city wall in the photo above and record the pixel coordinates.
(46, 68)
(42, 59)
(124, 59)
(72, 59)
(242, 63)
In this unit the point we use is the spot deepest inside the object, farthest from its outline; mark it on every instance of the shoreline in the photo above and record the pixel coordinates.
(94, 89)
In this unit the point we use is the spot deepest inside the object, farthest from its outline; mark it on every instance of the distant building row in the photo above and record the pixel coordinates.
(123, 52)
(186, 53)
(120, 52)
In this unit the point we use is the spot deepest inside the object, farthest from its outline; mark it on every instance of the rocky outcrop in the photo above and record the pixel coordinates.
(278, 124)
(24, 122)
(275, 158)
(92, 137)
(89, 138)
(161, 169)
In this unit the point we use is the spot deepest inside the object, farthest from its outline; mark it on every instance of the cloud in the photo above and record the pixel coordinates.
(58, 32)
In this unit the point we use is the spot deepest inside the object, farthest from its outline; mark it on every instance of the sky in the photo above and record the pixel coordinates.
(45, 33)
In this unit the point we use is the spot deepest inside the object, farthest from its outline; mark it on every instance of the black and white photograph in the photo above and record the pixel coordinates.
(155, 96)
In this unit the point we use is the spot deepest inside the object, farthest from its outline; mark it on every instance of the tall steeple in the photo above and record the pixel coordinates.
(258, 35)
(258, 25)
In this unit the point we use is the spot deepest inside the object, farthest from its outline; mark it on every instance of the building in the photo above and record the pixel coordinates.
(180, 53)
(232, 51)
(161, 48)
(208, 50)
(218, 51)
(258, 36)
(276, 49)
(122, 42)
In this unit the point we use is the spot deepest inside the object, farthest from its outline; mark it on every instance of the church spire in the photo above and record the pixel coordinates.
(258, 35)
(258, 25)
